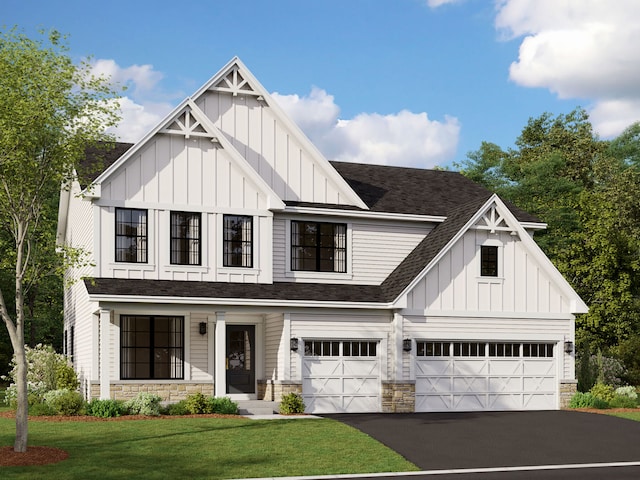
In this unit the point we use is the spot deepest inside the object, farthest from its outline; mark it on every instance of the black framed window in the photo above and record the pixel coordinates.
(319, 247)
(185, 238)
(488, 261)
(151, 347)
(131, 235)
(237, 241)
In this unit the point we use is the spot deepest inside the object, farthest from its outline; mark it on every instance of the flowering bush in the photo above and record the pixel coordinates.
(65, 401)
(627, 391)
(144, 404)
(603, 392)
(46, 371)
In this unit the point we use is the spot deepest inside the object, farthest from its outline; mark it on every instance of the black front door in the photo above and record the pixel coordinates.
(241, 363)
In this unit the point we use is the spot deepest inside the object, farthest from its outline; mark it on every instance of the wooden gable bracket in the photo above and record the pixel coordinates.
(493, 221)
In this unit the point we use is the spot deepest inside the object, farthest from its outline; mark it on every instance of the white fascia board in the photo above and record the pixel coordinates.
(284, 118)
(576, 304)
(407, 312)
(534, 225)
(363, 214)
(235, 302)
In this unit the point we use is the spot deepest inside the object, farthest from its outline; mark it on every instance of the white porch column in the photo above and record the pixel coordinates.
(220, 377)
(105, 371)
(286, 337)
(398, 336)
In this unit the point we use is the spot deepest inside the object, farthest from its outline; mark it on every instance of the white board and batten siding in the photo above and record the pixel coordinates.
(365, 242)
(454, 283)
(176, 174)
(272, 149)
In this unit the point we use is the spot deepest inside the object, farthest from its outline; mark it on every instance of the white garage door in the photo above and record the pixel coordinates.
(341, 376)
(467, 376)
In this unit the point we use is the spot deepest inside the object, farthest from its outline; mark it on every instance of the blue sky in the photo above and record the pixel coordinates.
(405, 82)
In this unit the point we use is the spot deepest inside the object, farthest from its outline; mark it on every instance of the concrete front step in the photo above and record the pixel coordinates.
(257, 407)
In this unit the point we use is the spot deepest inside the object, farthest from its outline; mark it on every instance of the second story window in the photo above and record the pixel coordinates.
(237, 241)
(488, 261)
(131, 235)
(185, 238)
(319, 247)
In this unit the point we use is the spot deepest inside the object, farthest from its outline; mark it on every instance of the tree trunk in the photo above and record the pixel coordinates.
(22, 418)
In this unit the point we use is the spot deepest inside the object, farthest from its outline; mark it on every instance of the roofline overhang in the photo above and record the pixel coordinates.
(363, 214)
(254, 302)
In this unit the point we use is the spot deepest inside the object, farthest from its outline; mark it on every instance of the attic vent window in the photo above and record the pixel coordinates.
(489, 261)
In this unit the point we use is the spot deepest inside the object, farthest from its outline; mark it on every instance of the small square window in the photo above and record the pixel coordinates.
(488, 261)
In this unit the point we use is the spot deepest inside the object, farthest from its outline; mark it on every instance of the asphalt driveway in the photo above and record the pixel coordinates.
(435, 441)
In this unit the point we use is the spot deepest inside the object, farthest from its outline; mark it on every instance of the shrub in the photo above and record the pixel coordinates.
(603, 392)
(179, 408)
(586, 400)
(106, 408)
(627, 391)
(65, 401)
(41, 409)
(224, 406)
(292, 403)
(144, 404)
(46, 371)
(622, 401)
(197, 403)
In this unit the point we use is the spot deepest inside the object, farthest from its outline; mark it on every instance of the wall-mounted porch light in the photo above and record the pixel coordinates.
(203, 328)
(293, 344)
(406, 344)
(568, 347)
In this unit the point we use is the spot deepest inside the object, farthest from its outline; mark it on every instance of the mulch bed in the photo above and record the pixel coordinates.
(33, 456)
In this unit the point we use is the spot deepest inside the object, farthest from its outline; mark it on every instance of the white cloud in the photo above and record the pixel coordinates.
(438, 3)
(404, 138)
(139, 113)
(585, 49)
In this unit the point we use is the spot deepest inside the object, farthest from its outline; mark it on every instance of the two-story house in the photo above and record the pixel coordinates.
(231, 258)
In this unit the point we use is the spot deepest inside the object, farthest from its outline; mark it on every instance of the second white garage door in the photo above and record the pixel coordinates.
(341, 376)
(468, 376)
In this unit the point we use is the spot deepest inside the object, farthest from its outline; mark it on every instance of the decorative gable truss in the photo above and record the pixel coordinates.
(235, 83)
(494, 221)
(494, 216)
(190, 124)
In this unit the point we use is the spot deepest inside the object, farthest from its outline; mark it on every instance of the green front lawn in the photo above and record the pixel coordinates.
(202, 448)
(630, 415)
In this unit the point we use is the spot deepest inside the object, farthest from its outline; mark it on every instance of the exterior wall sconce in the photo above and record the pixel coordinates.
(203, 328)
(293, 344)
(568, 347)
(406, 344)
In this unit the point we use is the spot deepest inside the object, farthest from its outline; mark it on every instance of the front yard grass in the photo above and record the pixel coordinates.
(629, 415)
(202, 448)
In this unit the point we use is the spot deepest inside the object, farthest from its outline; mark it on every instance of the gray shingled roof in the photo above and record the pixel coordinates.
(317, 292)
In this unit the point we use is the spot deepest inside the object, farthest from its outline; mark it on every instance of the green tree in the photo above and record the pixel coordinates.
(50, 110)
(587, 191)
